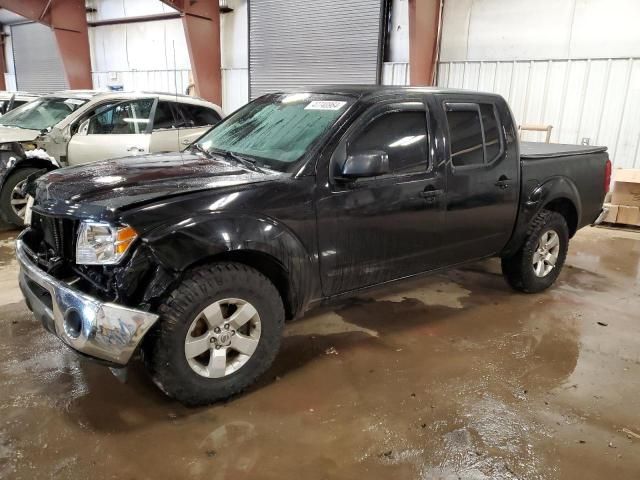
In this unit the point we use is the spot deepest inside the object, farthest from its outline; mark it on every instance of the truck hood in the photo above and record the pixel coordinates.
(15, 134)
(125, 182)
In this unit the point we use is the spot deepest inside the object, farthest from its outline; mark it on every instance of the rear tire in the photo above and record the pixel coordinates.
(8, 211)
(537, 264)
(186, 317)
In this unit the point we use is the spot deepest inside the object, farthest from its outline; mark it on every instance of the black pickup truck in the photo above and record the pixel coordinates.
(198, 258)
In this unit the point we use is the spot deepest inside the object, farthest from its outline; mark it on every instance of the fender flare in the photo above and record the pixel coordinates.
(553, 189)
(201, 238)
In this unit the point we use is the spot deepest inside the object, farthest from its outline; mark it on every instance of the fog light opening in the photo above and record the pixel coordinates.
(73, 323)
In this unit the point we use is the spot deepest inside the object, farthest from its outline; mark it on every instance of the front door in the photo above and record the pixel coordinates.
(482, 179)
(122, 130)
(372, 230)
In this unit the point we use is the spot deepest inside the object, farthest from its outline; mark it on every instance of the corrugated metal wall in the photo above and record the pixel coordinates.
(593, 99)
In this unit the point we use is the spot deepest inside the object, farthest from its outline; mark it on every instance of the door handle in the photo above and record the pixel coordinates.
(135, 149)
(503, 182)
(431, 194)
(186, 141)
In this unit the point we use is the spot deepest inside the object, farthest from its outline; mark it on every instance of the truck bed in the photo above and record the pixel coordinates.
(533, 150)
(578, 167)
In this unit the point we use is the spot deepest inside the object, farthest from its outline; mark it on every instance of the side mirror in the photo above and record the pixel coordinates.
(369, 163)
(83, 129)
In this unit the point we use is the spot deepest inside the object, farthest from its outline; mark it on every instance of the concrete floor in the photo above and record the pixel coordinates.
(454, 376)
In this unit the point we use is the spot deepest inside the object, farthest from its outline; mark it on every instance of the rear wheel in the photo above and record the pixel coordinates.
(218, 332)
(13, 204)
(536, 266)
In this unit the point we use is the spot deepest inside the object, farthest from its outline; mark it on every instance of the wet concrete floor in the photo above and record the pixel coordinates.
(453, 376)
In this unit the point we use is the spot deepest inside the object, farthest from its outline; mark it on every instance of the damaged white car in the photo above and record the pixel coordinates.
(75, 127)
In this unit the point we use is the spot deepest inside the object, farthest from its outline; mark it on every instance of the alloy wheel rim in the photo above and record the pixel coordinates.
(222, 338)
(18, 200)
(546, 255)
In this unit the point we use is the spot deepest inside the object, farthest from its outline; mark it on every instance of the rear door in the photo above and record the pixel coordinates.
(482, 178)
(194, 121)
(121, 130)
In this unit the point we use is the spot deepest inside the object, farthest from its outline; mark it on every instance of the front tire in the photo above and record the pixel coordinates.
(537, 264)
(12, 203)
(219, 330)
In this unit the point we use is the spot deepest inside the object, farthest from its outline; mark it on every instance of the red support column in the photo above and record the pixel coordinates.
(424, 22)
(201, 21)
(68, 19)
(69, 23)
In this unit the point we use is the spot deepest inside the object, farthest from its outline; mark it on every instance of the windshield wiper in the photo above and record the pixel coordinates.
(246, 162)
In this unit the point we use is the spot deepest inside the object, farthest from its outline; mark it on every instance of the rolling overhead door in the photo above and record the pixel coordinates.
(37, 61)
(298, 42)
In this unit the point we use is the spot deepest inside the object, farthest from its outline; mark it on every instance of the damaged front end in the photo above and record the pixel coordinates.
(102, 311)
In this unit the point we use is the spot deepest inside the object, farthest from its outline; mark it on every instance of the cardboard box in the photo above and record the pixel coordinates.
(628, 215)
(612, 214)
(626, 189)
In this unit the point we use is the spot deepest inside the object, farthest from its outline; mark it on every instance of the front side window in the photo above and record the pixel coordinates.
(402, 135)
(125, 118)
(42, 113)
(277, 130)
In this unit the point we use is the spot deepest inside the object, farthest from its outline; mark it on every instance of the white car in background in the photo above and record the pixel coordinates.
(77, 126)
(11, 100)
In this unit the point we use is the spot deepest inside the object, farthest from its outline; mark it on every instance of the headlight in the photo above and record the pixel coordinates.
(103, 244)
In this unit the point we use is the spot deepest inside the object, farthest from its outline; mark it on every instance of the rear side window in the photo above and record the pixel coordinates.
(402, 135)
(474, 134)
(163, 117)
(198, 116)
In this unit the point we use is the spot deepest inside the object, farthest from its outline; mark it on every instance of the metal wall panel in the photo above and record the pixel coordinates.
(297, 42)
(596, 100)
(38, 66)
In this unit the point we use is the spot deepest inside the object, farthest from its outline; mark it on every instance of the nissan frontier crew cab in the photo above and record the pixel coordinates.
(197, 259)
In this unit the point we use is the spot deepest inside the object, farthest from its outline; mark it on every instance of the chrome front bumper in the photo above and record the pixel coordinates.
(101, 330)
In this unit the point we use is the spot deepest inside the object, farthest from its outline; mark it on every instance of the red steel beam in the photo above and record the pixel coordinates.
(68, 19)
(424, 26)
(201, 22)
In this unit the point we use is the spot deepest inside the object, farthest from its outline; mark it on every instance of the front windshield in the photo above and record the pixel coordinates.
(42, 113)
(275, 131)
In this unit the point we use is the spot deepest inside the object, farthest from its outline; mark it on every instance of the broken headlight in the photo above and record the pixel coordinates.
(103, 244)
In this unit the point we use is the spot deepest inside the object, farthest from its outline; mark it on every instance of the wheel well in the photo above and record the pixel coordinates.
(567, 209)
(268, 266)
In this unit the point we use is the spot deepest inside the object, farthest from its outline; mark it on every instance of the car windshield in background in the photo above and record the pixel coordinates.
(42, 113)
(277, 130)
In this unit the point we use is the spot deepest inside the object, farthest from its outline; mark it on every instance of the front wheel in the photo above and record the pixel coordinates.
(537, 264)
(218, 331)
(13, 204)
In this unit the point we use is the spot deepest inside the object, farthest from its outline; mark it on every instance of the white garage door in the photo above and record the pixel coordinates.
(37, 61)
(298, 42)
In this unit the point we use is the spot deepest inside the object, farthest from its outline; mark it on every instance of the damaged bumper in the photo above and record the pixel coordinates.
(104, 331)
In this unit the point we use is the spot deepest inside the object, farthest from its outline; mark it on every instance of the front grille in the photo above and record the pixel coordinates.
(57, 235)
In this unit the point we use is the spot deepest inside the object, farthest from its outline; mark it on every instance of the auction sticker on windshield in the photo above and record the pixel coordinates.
(325, 105)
